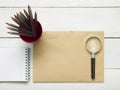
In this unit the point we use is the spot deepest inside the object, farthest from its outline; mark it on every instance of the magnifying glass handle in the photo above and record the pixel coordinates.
(93, 68)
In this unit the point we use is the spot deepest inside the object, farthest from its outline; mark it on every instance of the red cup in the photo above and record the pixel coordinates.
(31, 39)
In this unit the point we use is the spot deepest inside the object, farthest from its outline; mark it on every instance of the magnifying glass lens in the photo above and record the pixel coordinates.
(93, 45)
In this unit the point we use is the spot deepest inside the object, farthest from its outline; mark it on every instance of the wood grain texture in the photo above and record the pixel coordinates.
(59, 3)
(111, 82)
(111, 52)
(60, 15)
(70, 19)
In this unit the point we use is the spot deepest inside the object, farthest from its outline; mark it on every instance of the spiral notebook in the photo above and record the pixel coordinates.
(14, 64)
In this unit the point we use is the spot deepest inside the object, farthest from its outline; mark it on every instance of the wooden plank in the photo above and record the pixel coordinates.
(59, 3)
(13, 42)
(70, 19)
(112, 53)
(112, 50)
(111, 82)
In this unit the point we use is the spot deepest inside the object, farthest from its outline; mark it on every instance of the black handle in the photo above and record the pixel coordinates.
(93, 68)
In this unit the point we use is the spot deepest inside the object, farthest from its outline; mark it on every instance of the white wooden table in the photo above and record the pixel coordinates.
(69, 15)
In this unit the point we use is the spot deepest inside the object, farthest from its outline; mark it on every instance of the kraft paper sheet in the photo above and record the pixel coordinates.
(61, 56)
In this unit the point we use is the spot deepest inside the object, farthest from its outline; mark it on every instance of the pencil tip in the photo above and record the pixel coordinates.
(23, 9)
(7, 23)
(28, 6)
(15, 15)
(20, 12)
(12, 17)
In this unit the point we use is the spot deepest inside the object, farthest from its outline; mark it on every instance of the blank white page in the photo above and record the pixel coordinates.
(13, 64)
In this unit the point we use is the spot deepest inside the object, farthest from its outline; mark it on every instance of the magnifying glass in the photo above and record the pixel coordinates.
(93, 46)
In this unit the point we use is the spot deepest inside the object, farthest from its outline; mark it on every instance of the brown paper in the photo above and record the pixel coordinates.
(62, 57)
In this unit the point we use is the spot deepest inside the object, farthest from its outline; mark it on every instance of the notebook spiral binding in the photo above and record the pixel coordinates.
(27, 63)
